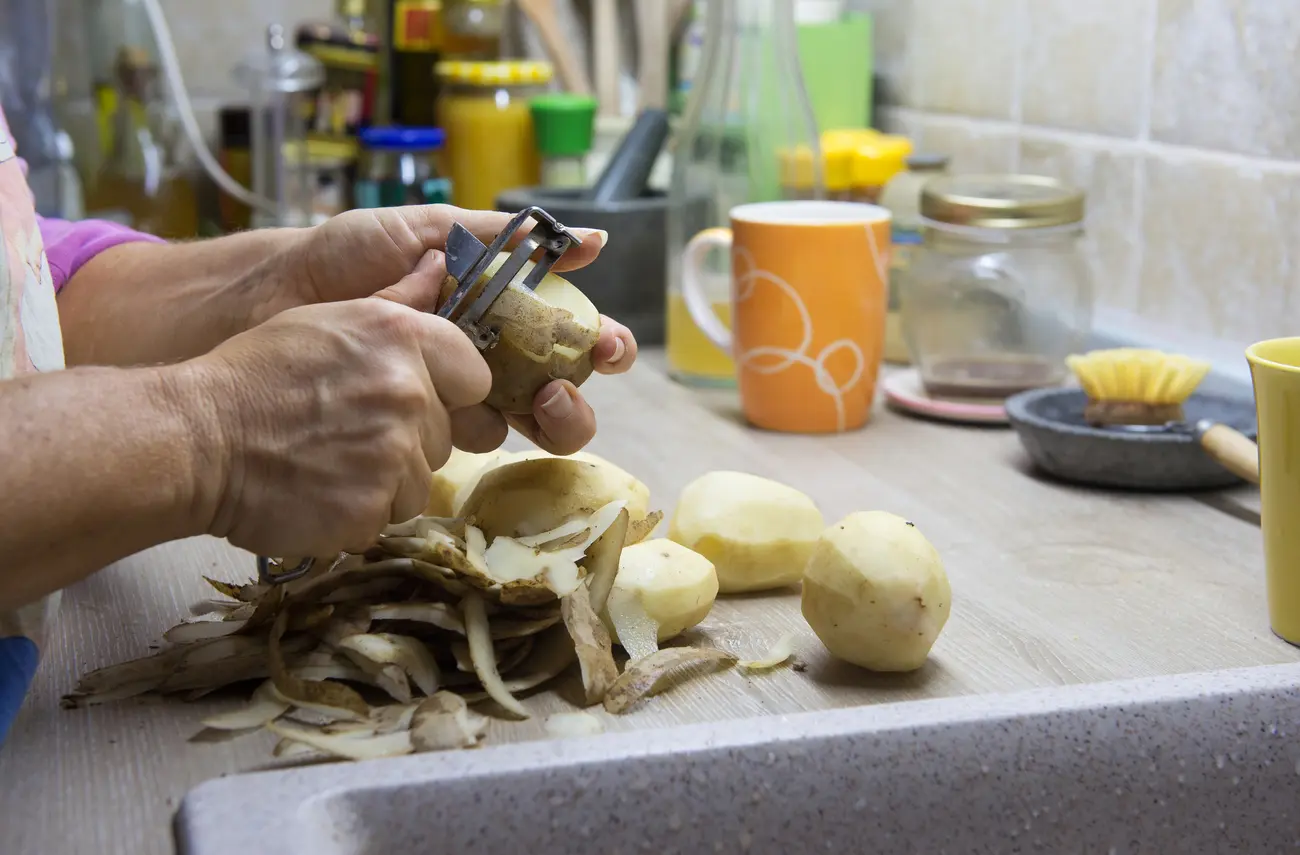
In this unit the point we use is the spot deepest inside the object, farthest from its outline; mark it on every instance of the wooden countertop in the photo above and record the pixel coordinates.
(1052, 585)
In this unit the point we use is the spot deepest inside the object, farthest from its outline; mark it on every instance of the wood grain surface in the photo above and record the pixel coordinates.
(1052, 585)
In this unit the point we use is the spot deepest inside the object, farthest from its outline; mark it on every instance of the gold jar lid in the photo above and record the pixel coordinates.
(1001, 201)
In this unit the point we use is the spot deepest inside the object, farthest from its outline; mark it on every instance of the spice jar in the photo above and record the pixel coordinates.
(483, 108)
(902, 198)
(397, 168)
(564, 124)
(875, 162)
(1000, 292)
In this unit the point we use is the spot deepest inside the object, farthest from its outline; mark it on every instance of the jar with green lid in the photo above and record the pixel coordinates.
(1000, 292)
(563, 125)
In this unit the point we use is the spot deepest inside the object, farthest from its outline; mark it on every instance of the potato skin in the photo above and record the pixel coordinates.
(875, 592)
(525, 357)
(519, 367)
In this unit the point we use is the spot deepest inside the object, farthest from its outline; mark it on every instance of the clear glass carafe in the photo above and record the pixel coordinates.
(747, 109)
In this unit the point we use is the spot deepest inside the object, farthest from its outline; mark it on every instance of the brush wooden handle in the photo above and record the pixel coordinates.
(605, 55)
(544, 16)
(1235, 451)
(652, 54)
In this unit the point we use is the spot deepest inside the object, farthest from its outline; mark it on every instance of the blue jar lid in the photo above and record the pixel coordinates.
(398, 138)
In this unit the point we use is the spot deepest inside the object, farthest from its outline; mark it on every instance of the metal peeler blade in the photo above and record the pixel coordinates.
(468, 259)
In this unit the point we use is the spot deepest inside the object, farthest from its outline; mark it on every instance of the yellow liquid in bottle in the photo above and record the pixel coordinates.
(692, 358)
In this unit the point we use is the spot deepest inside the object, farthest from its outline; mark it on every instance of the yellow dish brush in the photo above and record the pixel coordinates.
(1138, 389)
(1136, 386)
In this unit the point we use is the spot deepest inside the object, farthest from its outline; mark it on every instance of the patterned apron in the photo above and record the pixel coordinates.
(30, 340)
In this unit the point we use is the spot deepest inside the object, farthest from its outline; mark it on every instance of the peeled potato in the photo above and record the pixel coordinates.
(875, 592)
(674, 586)
(758, 533)
(545, 334)
(460, 469)
(537, 494)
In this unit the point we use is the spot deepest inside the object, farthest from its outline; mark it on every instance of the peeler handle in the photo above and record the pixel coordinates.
(1233, 450)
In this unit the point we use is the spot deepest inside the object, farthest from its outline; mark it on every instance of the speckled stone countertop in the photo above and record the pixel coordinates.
(1203, 763)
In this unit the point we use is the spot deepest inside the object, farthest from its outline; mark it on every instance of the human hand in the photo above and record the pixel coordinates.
(397, 252)
(329, 421)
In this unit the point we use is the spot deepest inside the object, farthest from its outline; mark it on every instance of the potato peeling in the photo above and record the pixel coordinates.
(447, 623)
(642, 675)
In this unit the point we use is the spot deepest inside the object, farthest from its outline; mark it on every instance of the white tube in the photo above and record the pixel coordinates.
(171, 67)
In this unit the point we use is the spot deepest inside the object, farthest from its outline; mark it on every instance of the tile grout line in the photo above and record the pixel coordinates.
(1122, 145)
(1134, 287)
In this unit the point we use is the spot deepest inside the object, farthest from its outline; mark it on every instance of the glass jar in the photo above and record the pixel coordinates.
(472, 27)
(483, 108)
(1000, 292)
(397, 168)
(902, 198)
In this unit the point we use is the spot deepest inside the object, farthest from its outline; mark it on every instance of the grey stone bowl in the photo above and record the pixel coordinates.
(1051, 427)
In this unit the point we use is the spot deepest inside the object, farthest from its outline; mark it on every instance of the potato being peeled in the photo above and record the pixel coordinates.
(758, 533)
(674, 586)
(875, 592)
(544, 335)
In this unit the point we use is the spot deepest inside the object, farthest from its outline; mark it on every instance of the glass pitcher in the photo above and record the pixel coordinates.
(747, 110)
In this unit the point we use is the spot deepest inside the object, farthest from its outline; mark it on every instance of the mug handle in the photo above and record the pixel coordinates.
(697, 302)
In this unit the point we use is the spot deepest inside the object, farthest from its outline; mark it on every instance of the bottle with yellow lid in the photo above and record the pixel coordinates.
(483, 107)
(875, 161)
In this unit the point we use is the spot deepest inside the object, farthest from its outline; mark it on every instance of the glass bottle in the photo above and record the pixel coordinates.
(747, 111)
(280, 81)
(141, 182)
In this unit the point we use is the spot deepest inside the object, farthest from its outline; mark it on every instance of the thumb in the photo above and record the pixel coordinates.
(419, 289)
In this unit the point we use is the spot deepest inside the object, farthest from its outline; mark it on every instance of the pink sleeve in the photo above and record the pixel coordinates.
(69, 245)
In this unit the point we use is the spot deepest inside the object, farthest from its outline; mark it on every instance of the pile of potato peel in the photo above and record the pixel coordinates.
(397, 650)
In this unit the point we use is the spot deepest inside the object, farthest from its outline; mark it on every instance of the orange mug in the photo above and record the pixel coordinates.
(808, 298)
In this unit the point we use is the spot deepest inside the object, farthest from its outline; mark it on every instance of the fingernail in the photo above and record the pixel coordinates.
(619, 350)
(559, 405)
(601, 236)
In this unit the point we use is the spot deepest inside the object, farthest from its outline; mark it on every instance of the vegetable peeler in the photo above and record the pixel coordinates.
(467, 260)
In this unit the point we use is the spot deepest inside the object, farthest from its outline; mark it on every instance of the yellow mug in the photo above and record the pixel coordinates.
(1275, 370)
(808, 302)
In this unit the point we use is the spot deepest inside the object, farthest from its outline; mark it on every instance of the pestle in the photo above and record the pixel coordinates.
(628, 169)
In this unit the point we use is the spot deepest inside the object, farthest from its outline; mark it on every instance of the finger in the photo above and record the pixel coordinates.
(460, 376)
(436, 434)
(561, 421)
(412, 495)
(478, 429)
(615, 351)
(419, 289)
(432, 224)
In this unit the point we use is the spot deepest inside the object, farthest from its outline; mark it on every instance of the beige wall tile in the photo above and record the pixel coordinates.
(973, 146)
(212, 37)
(1222, 247)
(891, 27)
(965, 54)
(1109, 178)
(1086, 64)
(1225, 76)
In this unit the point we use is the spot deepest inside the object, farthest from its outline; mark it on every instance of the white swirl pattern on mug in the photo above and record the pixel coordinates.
(746, 280)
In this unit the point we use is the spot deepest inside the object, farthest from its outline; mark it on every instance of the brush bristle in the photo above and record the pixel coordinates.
(1138, 376)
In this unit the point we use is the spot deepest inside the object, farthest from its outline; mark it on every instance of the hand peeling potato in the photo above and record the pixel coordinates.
(543, 335)
(876, 593)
